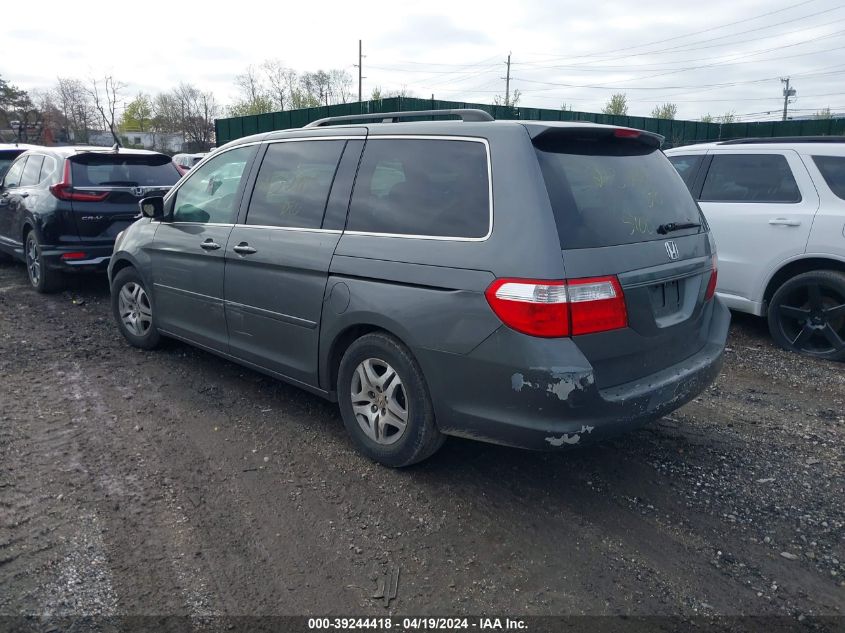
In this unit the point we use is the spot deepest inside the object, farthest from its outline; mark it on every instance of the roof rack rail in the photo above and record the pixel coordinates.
(785, 139)
(466, 115)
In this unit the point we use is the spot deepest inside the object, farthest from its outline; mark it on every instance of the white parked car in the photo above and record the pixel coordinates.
(776, 208)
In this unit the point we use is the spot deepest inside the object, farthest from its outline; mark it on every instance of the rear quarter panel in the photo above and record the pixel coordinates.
(430, 292)
(827, 237)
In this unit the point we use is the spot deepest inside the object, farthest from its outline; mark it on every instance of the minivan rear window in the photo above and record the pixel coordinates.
(607, 192)
(123, 170)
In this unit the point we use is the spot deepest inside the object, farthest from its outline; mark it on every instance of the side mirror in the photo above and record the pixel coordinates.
(152, 207)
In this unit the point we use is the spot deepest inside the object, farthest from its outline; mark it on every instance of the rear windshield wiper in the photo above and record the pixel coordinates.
(663, 229)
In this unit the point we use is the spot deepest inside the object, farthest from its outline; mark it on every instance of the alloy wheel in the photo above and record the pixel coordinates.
(379, 401)
(812, 317)
(136, 313)
(33, 262)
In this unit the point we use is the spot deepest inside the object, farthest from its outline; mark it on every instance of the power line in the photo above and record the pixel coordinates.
(672, 72)
(693, 46)
(729, 59)
(677, 37)
(719, 85)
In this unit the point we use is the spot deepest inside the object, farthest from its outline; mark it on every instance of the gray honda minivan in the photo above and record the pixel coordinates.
(534, 284)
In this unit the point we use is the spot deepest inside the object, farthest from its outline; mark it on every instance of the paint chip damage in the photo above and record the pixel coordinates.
(556, 381)
(569, 439)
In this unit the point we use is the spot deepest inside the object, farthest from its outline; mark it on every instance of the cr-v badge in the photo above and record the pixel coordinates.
(672, 249)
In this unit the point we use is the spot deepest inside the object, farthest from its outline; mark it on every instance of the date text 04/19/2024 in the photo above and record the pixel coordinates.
(418, 624)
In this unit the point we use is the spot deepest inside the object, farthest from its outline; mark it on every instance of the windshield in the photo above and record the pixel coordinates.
(606, 192)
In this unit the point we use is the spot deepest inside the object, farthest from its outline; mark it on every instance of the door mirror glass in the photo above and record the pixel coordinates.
(152, 207)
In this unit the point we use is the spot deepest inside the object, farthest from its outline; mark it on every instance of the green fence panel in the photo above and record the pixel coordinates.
(676, 132)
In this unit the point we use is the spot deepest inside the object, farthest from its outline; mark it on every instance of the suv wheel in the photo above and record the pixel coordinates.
(133, 309)
(384, 402)
(807, 314)
(42, 278)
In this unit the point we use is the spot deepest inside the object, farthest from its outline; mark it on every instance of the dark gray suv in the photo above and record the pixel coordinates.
(532, 284)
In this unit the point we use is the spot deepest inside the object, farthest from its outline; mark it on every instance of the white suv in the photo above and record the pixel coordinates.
(777, 211)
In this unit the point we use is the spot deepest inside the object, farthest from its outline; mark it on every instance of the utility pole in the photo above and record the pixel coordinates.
(508, 82)
(360, 70)
(787, 92)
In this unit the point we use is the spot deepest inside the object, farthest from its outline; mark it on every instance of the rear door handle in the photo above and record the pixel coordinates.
(210, 245)
(244, 249)
(784, 222)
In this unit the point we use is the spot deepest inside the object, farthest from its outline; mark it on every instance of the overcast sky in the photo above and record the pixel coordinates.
(707, 57)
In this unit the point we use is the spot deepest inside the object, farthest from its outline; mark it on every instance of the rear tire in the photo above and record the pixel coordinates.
(384, 402)
(133, 310)
(42, 278)
(807, 314)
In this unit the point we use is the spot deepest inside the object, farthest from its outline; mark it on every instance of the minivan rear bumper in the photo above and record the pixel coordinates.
(541, 394)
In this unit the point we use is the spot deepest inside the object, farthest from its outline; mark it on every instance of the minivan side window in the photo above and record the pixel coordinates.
(750, 178)
(687, 167)
(29, 177)
(425, 187)
(13, 176)
(209, 194)
(833, 172)
(293, 184)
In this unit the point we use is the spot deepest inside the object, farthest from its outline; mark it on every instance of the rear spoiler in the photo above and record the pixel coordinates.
(544, 135)
(90, 156)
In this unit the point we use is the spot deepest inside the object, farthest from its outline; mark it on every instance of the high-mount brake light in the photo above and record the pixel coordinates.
(624, 132)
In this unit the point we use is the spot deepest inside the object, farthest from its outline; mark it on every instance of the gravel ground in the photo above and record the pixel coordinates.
(174, 482)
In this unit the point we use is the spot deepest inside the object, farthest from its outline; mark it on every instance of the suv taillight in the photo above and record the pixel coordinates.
(559, 308)
(63, 190)
(711, 285)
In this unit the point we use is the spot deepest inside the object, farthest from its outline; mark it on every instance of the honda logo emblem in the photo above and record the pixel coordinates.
(138, 192)
(672, 249)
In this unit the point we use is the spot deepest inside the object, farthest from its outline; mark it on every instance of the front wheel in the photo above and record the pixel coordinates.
(133, 309)
(807, 314)
(384, 402)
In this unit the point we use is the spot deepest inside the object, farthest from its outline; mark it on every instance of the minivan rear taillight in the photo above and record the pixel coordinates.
(559, 308)
(63, 190)
(711, 285)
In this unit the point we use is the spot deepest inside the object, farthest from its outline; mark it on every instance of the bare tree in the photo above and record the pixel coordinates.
(340, 86)
(512, 100)
(74, 102)
(198, 110)
(317, 85)
(106, 98)
(167, 114)
(283, 81)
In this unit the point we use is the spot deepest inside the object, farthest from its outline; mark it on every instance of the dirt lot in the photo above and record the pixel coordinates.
(176, 482)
